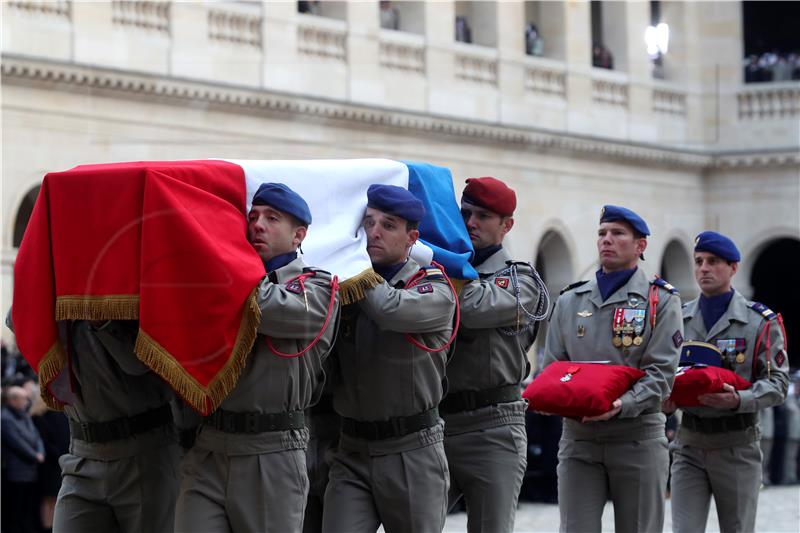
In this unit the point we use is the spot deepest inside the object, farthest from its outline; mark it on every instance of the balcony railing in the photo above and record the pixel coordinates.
(402, 51)
(610, 88)
(769, 101)
(321, 37)
(476, 63)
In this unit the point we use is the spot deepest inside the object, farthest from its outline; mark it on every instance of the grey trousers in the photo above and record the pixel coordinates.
(732, 475)
(487, 467)
(633, 473)
(405, 491)
(247, 493)
(321, 445)
(133, 494)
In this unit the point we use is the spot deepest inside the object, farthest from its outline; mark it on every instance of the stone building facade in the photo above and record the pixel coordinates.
(89, 82)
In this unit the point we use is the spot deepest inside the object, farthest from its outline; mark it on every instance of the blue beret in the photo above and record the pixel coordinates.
(717, 244)
(395, 201)
(282, 198)
(613, 213)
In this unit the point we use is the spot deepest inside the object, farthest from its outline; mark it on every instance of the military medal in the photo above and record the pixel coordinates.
(627, 340)
(740, 358)
(637, 340)
(619, 320)
(581, 331)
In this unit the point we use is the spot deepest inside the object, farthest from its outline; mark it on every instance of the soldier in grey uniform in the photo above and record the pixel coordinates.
(247, 469)
(485, 438)
(623, 318)
(390, 466)
(121, 470)
(324, 426)
(717, 448)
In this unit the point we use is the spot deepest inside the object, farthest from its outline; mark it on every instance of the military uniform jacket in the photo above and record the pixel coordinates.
(383, 375)
(109, 382)
(741, 323)
(485, 356)
(273, 384)
(581, 330)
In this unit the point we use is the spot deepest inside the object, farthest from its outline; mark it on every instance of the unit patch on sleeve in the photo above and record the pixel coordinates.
(294, 286)
(501, 282)
(424, 288)
(677, 339)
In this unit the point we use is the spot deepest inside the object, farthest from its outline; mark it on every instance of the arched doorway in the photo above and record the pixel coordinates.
(554, 263)
(774, 270)
(676, 268)
(24, 215)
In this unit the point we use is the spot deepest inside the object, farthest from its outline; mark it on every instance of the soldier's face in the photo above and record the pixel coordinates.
(486, 228)
(273, 232)
(713, 274)
(617, 246)
(388, 239)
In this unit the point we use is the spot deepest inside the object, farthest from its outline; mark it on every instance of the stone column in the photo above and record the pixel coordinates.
(92, 33)
(578, 51)
(364, 75)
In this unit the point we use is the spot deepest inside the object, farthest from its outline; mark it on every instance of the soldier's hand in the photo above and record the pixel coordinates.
(616, 407)
(668, 407)
(39, 458)
(727, 399)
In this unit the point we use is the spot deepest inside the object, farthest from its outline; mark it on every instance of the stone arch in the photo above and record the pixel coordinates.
(23, 215)
(676, 268)
(554, 261)
(771, 277)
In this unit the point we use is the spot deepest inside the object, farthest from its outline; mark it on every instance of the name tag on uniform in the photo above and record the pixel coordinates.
(424, 288)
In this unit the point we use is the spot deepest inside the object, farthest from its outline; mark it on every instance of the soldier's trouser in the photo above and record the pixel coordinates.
(487, 466)
(732, 475)
(633, 473)
(406, 491)
(263, 492)
(317, 457)
(131, 494)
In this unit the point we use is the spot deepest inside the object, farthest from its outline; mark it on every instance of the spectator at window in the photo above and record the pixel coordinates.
(463, 31)
(601, 57)
(312, 7)
(390, 16)
(534, 43)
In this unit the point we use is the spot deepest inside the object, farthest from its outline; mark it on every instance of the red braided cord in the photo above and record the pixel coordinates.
(334, 289)
(414, 281)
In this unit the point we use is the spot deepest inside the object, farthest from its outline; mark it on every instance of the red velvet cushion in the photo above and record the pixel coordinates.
(693, 381)
(589, 390)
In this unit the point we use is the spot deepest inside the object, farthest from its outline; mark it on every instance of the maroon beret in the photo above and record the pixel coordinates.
(492, 194)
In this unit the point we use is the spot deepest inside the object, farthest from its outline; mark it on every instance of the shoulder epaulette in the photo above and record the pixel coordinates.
(317, 270)
(573, 286)
(658, 282)
(432, 272)
(762, 309)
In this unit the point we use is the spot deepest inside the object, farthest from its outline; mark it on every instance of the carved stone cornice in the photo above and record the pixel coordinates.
(23, 70)
(777, 158)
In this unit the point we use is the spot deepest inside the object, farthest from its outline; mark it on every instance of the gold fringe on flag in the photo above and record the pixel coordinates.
(49, 367)
(112, 307)
(226, 379)
(203, 399)
(352, 289)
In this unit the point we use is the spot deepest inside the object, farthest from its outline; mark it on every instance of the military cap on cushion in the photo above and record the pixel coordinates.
(717, 244)
(695, 352)
(396, 201)
(613, 213)
(492, 194)
(579, 389)
(282, 198)
(692, 381)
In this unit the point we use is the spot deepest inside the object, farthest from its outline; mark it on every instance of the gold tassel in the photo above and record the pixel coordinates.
(162, 363)
(226, 379)
(113, 307)
(203, 399)
(458, 284)
(352, 289)
(50, 366)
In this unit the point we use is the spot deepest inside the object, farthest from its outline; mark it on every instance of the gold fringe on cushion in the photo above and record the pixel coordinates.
(352, 289)
(50, 366)
(203, 399)
(458, 284)
(111, 307)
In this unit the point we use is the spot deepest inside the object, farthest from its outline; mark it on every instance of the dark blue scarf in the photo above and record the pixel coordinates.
(387, 272)
(713, 307)
(280, 261)
(610, 282)
(484, 253)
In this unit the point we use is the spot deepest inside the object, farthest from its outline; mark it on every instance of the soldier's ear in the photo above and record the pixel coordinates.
(299, 234)
(508, 223)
